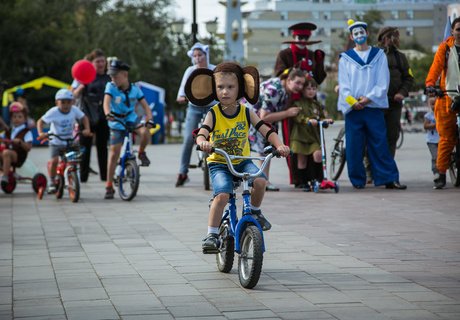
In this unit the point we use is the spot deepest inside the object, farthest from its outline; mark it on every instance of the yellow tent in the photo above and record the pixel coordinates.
(37, 84)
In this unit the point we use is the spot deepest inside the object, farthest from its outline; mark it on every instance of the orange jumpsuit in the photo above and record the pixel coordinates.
(445, 119)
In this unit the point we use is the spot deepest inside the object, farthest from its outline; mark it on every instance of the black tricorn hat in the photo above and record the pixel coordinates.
(303, 26)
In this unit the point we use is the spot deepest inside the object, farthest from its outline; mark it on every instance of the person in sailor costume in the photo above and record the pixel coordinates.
(363, 79)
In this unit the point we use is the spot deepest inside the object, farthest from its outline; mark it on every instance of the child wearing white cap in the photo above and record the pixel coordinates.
(62, 119)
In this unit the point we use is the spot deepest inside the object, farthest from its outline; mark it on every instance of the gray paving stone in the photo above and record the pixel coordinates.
(38, 307)
(142, 259)
(25, 290)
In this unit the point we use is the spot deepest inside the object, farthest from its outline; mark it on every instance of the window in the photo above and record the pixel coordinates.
(410, 14)
(395, 14)
(409, 31)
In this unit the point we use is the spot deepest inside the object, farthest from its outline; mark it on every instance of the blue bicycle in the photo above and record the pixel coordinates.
(127, 175)
(243, 236)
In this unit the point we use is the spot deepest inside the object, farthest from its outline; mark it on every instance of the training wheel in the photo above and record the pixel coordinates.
(39, 181)
(336, 187)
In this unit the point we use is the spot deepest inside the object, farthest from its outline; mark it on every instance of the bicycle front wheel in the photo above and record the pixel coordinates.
(454, 167)
(338, 158)
(251, 257)
(73, 185)
(226, 255)
(128, 182)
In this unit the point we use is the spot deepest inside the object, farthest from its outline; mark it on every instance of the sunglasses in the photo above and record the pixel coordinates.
(304, 38)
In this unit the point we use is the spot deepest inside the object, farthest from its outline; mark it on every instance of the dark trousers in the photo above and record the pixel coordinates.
(393, 124)
(101, 130)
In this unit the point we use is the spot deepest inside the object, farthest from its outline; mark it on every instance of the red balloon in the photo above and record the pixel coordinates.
(83, 71)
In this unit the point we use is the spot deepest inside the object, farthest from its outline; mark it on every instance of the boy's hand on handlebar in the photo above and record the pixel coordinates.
(42, 137)
(205, 146)
(284, 150)
(109, 116)
(150, 124)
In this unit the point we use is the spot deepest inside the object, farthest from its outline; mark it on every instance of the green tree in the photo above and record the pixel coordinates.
(420, 68)
(45, 37)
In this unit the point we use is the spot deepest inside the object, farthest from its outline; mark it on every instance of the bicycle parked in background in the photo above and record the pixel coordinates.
(201, 160)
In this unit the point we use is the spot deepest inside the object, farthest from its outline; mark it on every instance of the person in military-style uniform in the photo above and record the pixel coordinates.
(401, 81)
(297, 55)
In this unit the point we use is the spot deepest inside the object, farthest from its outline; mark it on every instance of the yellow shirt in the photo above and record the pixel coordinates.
(230, 133)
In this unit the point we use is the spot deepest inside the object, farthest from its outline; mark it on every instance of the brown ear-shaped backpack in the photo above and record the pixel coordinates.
(200, 87)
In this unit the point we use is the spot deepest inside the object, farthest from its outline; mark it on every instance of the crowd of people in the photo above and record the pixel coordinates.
(373, 81)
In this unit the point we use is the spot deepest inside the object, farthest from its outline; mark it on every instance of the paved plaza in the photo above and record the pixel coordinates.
(369, 254)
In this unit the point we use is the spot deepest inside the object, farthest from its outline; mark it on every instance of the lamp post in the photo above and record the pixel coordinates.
(194, 24)
(177, 28)
(211, 27)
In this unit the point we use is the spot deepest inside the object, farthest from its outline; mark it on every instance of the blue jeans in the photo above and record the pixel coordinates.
(192, 119)
(222, 178)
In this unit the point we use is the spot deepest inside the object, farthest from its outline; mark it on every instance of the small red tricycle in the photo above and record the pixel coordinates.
(27, 173)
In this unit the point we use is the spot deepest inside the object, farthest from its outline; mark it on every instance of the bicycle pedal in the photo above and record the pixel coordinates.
(210, 251)
(192, 166)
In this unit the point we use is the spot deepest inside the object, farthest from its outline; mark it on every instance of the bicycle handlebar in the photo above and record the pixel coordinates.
(153, 125)
(68, 140)
(270, 151)
(436, 91)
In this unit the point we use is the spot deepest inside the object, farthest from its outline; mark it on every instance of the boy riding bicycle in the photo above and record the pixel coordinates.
(62, 119)
(120, 101)
(226, 126)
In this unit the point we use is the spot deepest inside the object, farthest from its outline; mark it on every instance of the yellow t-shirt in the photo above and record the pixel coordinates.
(230, 133)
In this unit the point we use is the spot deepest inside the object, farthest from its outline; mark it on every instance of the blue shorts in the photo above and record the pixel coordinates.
(222, 179)
(117, 136)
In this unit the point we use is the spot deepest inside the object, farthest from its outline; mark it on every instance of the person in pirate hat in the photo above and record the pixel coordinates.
(363, 79)
(312, 62)
(298, 55)
(226, 126)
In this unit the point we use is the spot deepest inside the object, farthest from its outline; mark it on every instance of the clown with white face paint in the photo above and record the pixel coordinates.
(363, 81)
(359, 35)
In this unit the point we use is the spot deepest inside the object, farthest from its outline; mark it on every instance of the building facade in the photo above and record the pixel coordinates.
(267, 22)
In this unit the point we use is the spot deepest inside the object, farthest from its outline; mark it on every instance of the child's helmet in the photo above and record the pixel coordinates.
(64, 94)
(17, 107)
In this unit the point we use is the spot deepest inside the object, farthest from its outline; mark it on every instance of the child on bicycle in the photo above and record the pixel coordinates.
(304, 136)
(62, 119)
(120, 101)
(226, 126)
(21, 141)
(432, 136)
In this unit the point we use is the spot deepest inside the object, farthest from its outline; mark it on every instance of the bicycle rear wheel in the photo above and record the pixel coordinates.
(128, 182)
(454, 167)
(73, 185)
(226, 255)
(251, 257)
(338, 157)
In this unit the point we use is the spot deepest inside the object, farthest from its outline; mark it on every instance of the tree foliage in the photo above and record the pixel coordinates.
(45, 37)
